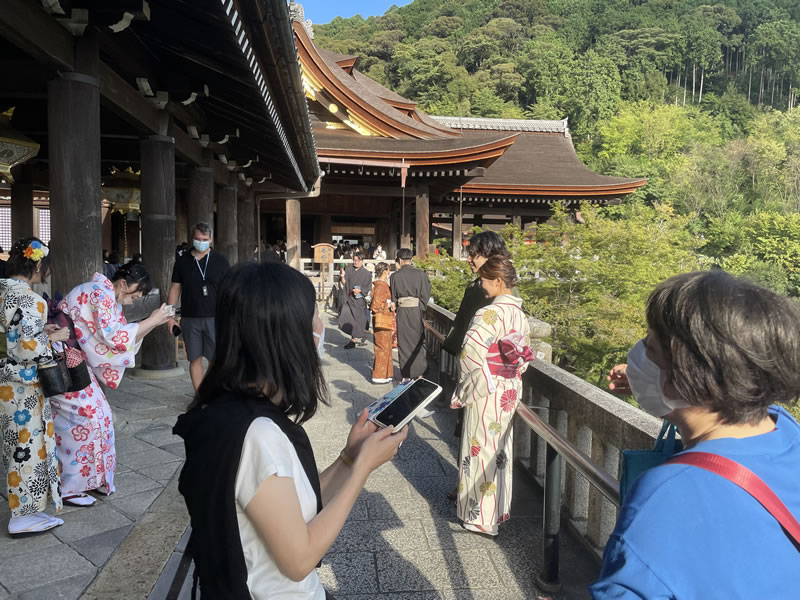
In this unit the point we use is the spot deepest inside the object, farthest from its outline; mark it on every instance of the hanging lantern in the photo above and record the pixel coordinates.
(122, 189)
(15, 148)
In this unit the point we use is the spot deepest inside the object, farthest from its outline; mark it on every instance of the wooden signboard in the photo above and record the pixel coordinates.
(323, 253)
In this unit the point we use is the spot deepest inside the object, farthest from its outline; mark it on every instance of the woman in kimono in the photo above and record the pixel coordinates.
(84, 428)
(494, 356)
(29, 445)
(382, 368)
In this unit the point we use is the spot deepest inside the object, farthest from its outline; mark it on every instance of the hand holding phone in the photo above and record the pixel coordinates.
(403, 403)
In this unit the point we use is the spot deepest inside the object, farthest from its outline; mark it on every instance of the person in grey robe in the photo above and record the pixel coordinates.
(411, 290)
(357, 284)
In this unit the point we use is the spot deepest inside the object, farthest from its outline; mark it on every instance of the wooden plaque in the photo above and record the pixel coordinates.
(323, 253)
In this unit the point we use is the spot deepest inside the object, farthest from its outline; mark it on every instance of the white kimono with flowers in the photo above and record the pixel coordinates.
(84, 428)
(489, 403)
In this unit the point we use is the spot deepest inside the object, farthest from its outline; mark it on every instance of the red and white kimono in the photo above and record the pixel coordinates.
(495, 354)
(84, 428)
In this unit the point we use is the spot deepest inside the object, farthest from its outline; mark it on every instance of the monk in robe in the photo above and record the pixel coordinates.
(354, 317)
(411, 290)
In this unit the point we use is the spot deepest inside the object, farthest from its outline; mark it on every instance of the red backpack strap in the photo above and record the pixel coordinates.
(745, 479)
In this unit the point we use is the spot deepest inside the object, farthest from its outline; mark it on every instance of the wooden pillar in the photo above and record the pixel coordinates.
(227, 222)
(457, 227)
(405, 216)
(73, 113)
(517, 221)
(325, 230)
(246, 217)
(477, 220)
(293, 232)
(423, 222)
(157, 156)
(390, 245)
(200, 198)
(384, 236)
(21, 210)
(181, 218)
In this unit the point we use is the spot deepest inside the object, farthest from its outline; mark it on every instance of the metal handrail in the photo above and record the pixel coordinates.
(605, 484)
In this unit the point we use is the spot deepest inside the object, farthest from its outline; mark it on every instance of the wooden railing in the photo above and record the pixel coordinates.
(591, 426)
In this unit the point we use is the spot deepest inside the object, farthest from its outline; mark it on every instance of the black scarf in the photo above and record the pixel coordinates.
(214, 436)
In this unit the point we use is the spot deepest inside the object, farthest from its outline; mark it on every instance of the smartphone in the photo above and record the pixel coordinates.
(403, 403)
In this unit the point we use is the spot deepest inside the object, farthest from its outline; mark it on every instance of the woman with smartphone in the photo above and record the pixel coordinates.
(262, 515)
(84, 427)
(495, 354)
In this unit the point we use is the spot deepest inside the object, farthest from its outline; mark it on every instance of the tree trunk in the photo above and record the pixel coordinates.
(761, 87)
(750, 85)
(694, 78)
(685, 85)
(702, 79)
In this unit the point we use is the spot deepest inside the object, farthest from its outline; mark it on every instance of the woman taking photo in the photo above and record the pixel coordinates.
(29, 444)
(250, 480)
(84, 427)
(382, 368)
(493, 358)
(719, 356)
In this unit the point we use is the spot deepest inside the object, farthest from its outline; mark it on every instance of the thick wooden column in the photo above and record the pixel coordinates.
(227, 223)
(517, 221)
(21, 210)
(457, 226)
(405, 232)
(423, 222)
(157, 155)
(181, 218)
(390, 244)
(73, 113)
(246, 217)
(200, 198)
(383, 235)
(324, 230)
(293, 232)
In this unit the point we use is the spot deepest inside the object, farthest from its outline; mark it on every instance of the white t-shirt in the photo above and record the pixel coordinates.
(266, 452)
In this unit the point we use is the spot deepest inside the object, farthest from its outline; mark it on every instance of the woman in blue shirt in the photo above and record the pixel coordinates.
(719, 354)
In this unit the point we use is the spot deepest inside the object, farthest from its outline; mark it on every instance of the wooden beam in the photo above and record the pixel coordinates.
(28, 26)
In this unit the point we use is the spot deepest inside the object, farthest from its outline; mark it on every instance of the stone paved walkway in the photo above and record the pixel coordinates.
(402, 541)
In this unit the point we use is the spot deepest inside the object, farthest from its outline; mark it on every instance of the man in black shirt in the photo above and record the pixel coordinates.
(196, 279)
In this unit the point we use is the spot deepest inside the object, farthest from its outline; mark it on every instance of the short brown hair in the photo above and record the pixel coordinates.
(499, 267)
(731, 347)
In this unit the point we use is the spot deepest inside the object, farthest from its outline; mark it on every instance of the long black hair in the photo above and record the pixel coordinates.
(265, 345)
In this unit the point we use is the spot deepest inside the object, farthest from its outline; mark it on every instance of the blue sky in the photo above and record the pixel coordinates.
(324, 11)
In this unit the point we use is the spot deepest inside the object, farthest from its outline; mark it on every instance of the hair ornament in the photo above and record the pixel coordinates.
(36, 251)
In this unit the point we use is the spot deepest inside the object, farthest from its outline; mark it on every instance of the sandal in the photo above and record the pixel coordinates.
(33, 523)
(490, 531)
(79, 500)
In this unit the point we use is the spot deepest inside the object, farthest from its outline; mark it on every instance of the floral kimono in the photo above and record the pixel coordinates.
(29, 445)
(84, 428)
(382, 367)
(494, 355)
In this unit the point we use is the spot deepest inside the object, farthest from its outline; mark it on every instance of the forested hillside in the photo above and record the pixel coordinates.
(699, 98)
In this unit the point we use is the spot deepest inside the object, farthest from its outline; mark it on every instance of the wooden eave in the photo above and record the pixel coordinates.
(417, 158)
(382, 121)
(553, 190)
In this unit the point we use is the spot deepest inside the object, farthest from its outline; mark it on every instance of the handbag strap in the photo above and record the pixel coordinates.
(748, 481)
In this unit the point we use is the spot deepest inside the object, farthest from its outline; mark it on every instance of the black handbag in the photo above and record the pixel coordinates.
(54, 376)
(78, 370)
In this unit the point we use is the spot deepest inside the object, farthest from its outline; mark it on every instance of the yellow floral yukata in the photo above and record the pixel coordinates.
(29, 445)
(489, 401)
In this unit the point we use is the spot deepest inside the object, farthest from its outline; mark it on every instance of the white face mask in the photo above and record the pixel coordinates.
(647, 383)
(320, 343)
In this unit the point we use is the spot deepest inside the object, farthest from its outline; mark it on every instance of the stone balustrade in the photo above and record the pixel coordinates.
(594, 421)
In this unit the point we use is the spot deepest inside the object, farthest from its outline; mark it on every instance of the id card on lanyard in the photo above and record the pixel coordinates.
(203, 272)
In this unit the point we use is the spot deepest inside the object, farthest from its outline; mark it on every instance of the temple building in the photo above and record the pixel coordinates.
(392, 174)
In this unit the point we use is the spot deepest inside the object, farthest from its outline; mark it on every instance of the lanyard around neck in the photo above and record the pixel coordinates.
(203, 271)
